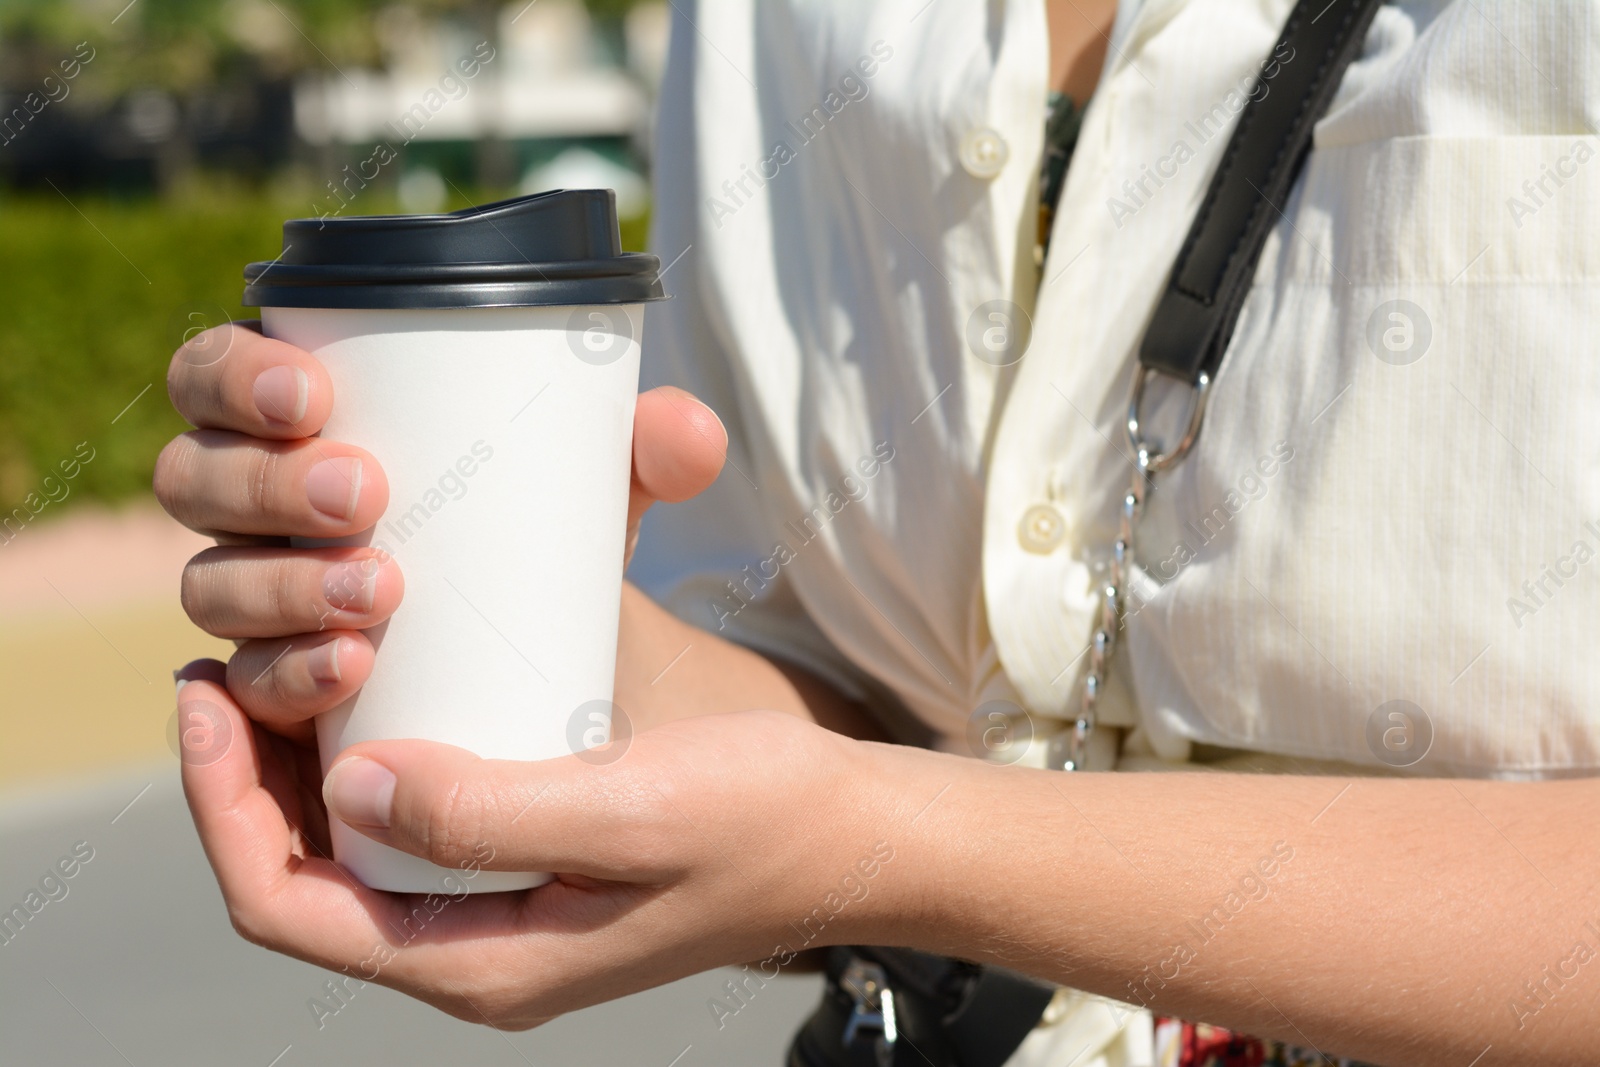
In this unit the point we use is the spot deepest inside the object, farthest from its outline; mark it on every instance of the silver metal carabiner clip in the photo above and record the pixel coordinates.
(873, 1010)
(1160, 460)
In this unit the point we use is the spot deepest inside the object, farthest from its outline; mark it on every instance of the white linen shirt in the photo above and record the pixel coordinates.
(1395, 493)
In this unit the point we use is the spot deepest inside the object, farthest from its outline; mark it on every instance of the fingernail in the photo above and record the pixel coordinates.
(181, 682)
(360, 792)
(281, 394)
(722, 425)
(351, 586)
(323, 662)
(333, 487)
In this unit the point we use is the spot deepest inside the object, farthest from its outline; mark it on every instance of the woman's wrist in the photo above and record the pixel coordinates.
(969, 837)
(913, 808)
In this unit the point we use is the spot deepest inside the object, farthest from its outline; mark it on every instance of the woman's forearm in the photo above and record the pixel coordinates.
(1401, 922)
(668, 669)
(1300, 908)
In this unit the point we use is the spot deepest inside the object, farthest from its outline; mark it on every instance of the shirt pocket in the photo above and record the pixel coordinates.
(1419, 340)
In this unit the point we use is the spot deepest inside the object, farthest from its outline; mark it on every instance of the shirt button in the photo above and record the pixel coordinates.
(1041, 529)
(984, 152)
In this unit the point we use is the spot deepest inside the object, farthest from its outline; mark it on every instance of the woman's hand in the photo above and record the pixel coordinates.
(709, 841)
(253, 474)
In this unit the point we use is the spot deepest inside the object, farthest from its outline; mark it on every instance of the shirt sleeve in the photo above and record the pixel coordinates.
(711, 560)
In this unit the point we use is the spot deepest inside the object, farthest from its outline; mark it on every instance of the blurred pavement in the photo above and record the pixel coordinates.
(138, 965)
(91, 630)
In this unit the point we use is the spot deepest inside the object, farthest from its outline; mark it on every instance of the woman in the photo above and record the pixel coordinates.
(1368, 583)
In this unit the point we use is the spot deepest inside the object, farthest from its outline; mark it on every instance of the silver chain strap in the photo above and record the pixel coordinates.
(1069, 750)
(1113, 610)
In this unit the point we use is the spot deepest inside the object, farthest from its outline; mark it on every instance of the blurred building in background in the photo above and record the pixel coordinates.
(76, 134)
(344, 95)
(548, 99)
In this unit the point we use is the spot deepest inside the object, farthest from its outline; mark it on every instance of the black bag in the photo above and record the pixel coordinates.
(883, 1007)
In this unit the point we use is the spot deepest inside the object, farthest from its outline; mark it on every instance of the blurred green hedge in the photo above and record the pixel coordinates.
(95, 295)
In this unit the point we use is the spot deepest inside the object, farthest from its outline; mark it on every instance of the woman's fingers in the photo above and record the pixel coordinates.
(283, 682)
(679, 446)
(275, 592)
(445, 804)
(232, 378)
(217, 480)
(286, 894)
(300, 904)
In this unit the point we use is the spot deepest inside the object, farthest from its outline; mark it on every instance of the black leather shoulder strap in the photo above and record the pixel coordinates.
(1195, 318)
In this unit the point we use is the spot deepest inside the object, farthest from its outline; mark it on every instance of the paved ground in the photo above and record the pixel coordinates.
(137, 966)
(90, 632)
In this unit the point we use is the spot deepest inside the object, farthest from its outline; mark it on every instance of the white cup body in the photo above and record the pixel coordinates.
(506, 438)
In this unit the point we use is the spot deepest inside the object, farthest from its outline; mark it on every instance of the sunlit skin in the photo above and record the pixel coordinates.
(1080, 34)
(1408, 923)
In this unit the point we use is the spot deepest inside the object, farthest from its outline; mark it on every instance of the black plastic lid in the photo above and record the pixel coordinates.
(560, 247)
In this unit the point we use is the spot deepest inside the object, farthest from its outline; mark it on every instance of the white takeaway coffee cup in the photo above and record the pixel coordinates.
(489, 360)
